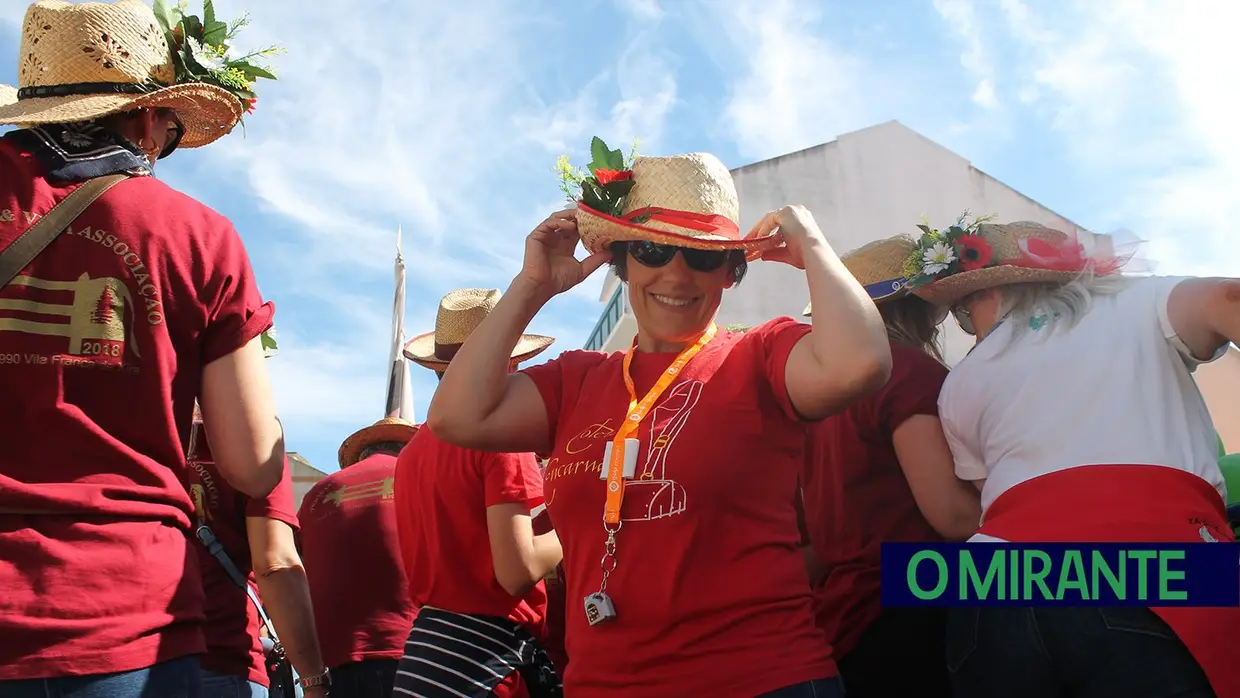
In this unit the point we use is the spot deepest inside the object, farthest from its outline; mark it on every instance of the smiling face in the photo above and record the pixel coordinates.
(673, 303)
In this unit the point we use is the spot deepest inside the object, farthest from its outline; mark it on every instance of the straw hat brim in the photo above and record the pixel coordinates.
(421, 350)
(598, 230)
(382, 432)
(207, 112)
(951, 289)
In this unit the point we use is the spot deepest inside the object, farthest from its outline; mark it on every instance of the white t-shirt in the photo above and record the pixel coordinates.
(1115, 389)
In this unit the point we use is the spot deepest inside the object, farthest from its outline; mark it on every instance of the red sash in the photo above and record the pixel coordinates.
(1132, 503)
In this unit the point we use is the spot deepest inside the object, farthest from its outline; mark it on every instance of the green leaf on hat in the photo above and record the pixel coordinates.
(604, 158)
(208, 13)
(165, 15)
(618, 188)
(253, 71)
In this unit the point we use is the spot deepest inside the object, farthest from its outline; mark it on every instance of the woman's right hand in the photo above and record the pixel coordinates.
(550, 262)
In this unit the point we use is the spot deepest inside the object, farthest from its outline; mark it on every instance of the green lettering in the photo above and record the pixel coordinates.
(969, 576)
(1143, 558)
(1098, 565)
(1072, 564)
(1036, 577)
(1014, 576)
(911, 574)
(1166, 575)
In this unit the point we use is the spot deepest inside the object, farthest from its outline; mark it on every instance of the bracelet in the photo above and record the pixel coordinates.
(324, 679)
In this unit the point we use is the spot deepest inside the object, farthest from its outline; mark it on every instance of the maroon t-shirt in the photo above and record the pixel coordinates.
(103, 339)
(349, 547)
(856, 496)
(231, 627)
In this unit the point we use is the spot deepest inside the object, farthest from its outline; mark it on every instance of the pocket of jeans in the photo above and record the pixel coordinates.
(961, 636)
(1136, 619)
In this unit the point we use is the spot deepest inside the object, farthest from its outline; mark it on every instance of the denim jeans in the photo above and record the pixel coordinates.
(178, 678)
(911, 639)
(1079, 652)
(818, 688)
(372, 678)
(227, 686)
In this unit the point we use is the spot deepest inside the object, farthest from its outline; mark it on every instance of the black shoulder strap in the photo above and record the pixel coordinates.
(37, 237)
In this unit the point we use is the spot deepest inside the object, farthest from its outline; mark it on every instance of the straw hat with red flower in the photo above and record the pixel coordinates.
(683, 200)
(970, 256)
(79, 62)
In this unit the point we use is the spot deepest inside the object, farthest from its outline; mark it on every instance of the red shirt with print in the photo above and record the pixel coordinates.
(232, 649)
(856, 495)
(351, 553)
(442, 494)
(710, 589)
(103, 339)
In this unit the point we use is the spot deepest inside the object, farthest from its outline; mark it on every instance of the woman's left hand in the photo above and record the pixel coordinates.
(795, 226)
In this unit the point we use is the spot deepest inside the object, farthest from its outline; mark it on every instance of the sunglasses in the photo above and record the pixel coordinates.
(653, 254)
(964, 319)
(176, 131)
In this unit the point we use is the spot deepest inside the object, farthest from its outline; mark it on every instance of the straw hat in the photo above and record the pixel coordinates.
(691, 202)
(388, 429)
(460, 313)
(83, 61)
(1021, 252)
(879, 267)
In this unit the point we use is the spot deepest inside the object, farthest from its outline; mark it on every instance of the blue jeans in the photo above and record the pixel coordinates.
(818, 688)
(1081, 652)
(179, 678)
(227, 686)
(372, 678)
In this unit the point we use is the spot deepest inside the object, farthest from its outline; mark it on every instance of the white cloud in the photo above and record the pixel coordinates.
(1143, 94)
(426, 116)
(795, 88)
(641, 9)
(960, 16)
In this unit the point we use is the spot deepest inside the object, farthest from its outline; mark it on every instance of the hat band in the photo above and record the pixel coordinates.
(87, 88)
(702, 222)
(882, 289)
(446, 352)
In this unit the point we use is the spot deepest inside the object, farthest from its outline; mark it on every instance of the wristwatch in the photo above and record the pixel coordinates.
(324, 679)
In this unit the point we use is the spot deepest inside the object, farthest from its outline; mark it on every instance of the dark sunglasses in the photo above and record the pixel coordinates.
(653, 254)
(965, 319)
(176, 131)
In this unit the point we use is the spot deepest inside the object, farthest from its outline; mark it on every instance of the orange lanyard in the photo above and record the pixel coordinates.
(637, 412)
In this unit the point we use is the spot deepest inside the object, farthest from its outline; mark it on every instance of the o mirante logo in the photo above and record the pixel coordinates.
(1047, 574)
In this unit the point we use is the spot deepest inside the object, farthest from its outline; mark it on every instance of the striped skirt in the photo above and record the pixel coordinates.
(458, 655)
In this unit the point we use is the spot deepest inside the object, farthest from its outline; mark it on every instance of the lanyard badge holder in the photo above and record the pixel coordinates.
(621, 459)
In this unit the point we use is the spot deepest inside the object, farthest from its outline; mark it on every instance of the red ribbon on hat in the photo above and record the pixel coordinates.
(1069, 256)
(709, 223)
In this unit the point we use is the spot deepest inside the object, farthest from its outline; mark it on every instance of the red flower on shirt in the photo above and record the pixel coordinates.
(606, 177)
(975, 252)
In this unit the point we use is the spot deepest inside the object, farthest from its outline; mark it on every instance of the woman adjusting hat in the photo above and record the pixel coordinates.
(1077, 417)
(131, 301)
(689, 444)
(879, 472)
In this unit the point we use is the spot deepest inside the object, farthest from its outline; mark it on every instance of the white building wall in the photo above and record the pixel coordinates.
(864, 186)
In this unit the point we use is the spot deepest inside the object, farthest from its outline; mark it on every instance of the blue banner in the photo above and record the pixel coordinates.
(1061, 574)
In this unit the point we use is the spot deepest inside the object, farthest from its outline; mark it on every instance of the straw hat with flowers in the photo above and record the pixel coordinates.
(947, 265)
(460, 313)
(79, 62)
(879, 267)
(683, 200)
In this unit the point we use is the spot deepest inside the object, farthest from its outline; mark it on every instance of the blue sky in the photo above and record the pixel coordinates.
(446, 117)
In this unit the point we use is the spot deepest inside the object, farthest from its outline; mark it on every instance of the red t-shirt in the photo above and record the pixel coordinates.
(553, 641)
(232, 648)
(352, 556)
(710, 590)
(103, 339)
(442, 494)
(856, 495)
